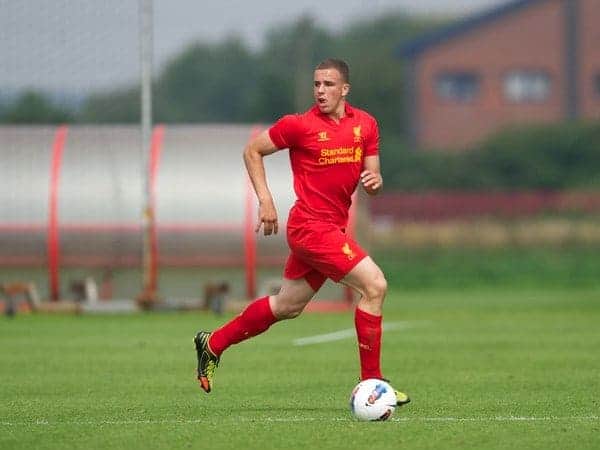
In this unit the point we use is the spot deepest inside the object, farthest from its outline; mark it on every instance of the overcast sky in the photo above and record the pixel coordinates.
(91, 44)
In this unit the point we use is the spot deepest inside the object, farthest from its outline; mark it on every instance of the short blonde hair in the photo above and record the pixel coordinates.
(339, 64)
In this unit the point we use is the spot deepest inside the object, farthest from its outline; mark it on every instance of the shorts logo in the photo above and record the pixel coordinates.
(357, 136)
(323, 136)
(348, 251)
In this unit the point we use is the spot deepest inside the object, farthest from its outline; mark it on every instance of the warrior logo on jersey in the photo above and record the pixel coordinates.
(323, 136)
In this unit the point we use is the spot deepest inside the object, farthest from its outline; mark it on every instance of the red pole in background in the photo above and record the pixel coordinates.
(250, 242)
(150, 262)
(60, 138)
(157, 140)
(249, 234)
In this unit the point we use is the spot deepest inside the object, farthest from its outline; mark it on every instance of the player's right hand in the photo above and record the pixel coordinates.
(267, 218)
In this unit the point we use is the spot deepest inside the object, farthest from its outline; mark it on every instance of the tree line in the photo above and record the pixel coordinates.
(537, 157)
(228, 82)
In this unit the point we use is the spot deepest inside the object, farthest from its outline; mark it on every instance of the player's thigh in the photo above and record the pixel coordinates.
(291, 299)
(367, 278)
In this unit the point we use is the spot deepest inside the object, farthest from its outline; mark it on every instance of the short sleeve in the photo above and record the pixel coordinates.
(284, 133)
(372, 138)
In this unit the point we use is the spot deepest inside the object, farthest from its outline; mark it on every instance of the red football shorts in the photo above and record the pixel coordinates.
(320, 250)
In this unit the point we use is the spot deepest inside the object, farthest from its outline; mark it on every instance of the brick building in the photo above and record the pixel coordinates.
(522, 62)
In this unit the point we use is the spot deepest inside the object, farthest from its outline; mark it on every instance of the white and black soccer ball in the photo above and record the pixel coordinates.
(373, 399)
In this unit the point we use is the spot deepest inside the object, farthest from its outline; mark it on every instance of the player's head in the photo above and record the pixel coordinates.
(331, 85)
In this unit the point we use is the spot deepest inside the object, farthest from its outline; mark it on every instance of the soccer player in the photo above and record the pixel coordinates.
(333, 147)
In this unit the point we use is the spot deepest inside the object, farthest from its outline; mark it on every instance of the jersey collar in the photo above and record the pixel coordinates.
(348, 111)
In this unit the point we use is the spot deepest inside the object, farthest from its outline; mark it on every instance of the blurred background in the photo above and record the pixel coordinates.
(122, 126)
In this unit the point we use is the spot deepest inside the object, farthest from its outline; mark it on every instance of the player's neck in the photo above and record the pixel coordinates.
(339, 113)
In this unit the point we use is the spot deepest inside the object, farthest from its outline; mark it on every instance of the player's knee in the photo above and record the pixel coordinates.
(285, 307)
(288, 311)
(377, 288)
(292, 313)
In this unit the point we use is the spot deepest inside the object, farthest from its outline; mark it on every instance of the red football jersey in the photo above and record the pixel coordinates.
(327, 159)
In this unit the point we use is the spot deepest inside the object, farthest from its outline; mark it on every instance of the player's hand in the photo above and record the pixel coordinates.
(267, 218)
(371, 181)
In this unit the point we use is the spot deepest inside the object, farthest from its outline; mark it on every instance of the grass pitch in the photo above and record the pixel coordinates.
(486, 369)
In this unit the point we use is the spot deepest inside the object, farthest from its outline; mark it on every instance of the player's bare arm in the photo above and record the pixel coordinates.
(254, 152)
(370, 177)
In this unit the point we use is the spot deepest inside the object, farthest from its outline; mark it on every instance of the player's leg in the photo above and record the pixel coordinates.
(256, 318)
(368, 279)
(300, 282)
(260, 314)
(328, 250)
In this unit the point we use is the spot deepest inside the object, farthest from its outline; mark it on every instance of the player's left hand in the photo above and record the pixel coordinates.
(371, 181)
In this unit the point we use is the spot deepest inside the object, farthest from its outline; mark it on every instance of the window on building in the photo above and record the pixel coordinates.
(527, 86)
(457, 86)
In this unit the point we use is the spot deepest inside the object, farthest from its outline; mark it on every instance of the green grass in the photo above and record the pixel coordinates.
(473, 361)
(463, 267)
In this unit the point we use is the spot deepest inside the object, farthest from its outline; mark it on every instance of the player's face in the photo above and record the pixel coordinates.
(330, 90)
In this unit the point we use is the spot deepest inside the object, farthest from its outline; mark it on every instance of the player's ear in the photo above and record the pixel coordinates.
(345, 89)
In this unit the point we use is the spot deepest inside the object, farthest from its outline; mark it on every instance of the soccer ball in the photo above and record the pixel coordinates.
(373, 399)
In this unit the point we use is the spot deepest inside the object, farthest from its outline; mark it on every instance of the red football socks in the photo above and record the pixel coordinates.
(255, 319)
(368, 332)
